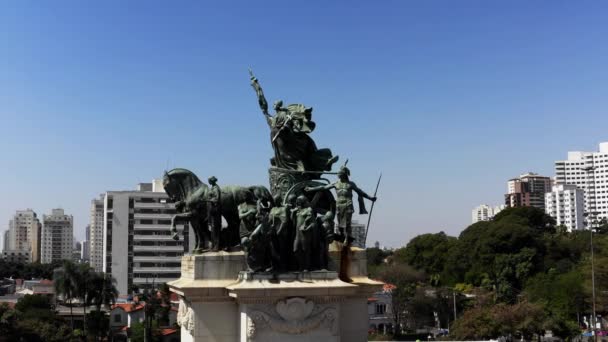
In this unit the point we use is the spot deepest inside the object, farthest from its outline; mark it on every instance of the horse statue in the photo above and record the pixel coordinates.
(189, 194)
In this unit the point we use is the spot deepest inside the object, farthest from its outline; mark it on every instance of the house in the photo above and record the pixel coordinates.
(379, 310)
(126, 314)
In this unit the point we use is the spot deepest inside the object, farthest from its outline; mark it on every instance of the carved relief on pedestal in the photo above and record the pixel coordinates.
(185, 316)
(293, 316)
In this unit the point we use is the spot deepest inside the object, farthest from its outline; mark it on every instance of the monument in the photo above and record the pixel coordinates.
(280, 269)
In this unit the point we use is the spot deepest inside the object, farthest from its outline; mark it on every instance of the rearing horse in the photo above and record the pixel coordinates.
(189, 193)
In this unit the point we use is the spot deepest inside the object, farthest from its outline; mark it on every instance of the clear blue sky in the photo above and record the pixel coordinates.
(448, 99)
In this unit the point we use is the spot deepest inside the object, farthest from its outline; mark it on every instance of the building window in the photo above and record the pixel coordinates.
(380, 309)
(117, 318)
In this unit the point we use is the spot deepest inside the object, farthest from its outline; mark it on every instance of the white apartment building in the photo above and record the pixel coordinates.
(24, 234)
(96, 234)
(358, 233)
(589, 172)
(138, 248)
(565, 203)
(57, 236)
(485, 212)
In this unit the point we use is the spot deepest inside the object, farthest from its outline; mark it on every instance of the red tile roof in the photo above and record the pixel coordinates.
(128, 307)
(372, 299)
(46, 282)
(167, 331)
(388, 287)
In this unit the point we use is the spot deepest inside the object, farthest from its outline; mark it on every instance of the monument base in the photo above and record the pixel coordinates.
(220, 301)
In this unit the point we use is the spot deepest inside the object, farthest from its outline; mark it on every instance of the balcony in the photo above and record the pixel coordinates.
(144, 205)
(157, 269)
(152, 216)
(152, 237)
(154, 226)
(149, 280)
(158, 248)
(157, 259)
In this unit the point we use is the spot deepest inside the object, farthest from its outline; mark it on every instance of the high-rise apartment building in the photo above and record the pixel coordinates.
(358, 233)
(138, 248)
(5, 246)
(24, 234)
(86, 245)
(528, 190)
(57, 236)
(589, 172)
(485, 212)
(565, 203)
(97, 235)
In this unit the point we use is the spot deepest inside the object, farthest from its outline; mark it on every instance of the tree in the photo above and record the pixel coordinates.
(84, 288)
(490, 322)
(99, 323)
(375, 260)
(8, 319)
(405, 279)
(532, 217)
(38, 322)
(101, 291)
(66, 280)
(427, 252)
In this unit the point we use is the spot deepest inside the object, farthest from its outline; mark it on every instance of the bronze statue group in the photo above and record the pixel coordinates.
(288, 228)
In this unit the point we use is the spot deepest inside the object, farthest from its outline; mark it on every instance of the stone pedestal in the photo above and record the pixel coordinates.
(219, 301)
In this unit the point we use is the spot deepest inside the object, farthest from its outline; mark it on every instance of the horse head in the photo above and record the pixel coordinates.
(180, 183)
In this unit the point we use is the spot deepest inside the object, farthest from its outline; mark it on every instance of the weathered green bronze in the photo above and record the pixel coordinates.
(344, 205)
(287, 228)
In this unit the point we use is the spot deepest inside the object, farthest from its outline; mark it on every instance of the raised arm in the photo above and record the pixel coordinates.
(319, 188)
(361, 192)
(261, 98)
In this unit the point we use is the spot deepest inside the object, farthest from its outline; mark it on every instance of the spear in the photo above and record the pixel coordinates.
(371, 210)
(260, 93)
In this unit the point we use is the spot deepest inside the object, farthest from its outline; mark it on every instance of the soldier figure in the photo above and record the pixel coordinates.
(248, 216)
(305, 225)
(281, 218)
(344, 203)
(214, 212)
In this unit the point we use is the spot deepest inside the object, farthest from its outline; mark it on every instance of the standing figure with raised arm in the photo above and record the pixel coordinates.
(344, 203)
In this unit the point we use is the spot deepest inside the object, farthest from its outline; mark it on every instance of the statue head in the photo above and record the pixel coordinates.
(170, 187)
(302, 201)
(291, 200)
(343, 173)
(212, 180)
(278, 105)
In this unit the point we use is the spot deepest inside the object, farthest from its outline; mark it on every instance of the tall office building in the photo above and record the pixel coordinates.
(485, 212)
(24, 234)
(5, 240)
(528, 190)
(96, 234)
(57, 236)
(86, 245)
(138, 248)
(565, 204)
(589, 172)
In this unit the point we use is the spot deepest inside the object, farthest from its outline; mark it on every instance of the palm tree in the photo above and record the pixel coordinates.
(65, 280)
(101, 291)
(83, 287)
